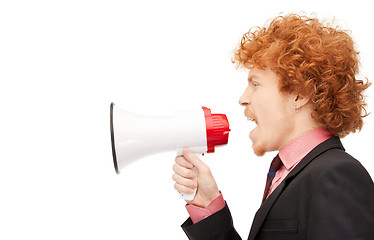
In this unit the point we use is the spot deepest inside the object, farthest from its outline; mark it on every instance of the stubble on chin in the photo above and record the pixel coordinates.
(258, 150)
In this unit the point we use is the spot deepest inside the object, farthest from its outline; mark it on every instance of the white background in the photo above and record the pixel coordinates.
(63, 62)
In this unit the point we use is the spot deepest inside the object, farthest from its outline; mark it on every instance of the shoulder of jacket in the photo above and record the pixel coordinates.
(335, 157)
(337, 163)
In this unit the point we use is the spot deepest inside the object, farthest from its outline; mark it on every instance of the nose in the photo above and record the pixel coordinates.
(244, 100)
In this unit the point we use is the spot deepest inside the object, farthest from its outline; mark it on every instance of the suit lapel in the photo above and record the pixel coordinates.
(263, 211)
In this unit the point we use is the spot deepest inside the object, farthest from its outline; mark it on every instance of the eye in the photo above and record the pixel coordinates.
(255, 84)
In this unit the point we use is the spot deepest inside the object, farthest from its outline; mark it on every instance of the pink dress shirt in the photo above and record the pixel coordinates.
(295, 151)
(197, 213)
(291, 155)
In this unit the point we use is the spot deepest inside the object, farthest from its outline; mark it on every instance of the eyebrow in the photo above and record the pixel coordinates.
(251, 77)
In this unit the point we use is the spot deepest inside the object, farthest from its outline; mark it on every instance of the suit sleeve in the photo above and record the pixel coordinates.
(218, 226)
(342, 204)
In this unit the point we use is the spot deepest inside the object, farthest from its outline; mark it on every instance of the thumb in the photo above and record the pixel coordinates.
(192, 158)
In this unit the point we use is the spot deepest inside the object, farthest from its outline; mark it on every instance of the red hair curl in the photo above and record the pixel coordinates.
(313, 60)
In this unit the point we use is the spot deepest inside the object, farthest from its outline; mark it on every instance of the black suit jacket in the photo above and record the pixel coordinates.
(328, 195)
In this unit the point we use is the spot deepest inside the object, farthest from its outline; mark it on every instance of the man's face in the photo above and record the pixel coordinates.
(271, 110)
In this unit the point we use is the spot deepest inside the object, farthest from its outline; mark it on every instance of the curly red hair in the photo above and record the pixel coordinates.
(313, 60)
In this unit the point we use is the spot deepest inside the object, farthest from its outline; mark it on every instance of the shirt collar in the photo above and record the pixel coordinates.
(299, 147)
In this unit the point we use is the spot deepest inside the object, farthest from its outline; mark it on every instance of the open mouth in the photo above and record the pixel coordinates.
(250, 116)
(251, 119)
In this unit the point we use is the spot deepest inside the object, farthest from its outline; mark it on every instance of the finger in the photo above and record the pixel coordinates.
(192, 158)
(184, 172)
(180, 160)
(185, 181)
(182, 189)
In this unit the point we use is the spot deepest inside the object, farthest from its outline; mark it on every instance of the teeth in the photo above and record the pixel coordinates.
(251, 119)
(250, 116)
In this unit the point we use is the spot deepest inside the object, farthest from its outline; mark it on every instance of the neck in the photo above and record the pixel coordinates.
(302, 123)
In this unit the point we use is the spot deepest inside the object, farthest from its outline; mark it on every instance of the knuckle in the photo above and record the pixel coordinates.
(174, 177)
(188, 164)
(178, 159)
(189, 190)
(184, 173)
(190, 174)
(182, 162)
(176, 168)
(178, 187)
(193, 184)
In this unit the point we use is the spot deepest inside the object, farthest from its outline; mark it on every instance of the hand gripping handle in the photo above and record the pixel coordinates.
(190, 197)
(196, 151)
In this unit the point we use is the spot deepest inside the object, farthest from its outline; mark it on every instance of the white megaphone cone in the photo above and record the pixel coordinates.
(135, 136)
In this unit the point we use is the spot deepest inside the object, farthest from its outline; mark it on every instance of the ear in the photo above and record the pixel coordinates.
(300, 101)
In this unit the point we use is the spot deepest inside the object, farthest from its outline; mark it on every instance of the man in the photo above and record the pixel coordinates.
(303, 96)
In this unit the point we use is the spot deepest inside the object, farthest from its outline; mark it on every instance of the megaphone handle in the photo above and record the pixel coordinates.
(189, 197)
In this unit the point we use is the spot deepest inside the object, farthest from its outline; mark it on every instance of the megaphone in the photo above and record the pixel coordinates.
(135, 136)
